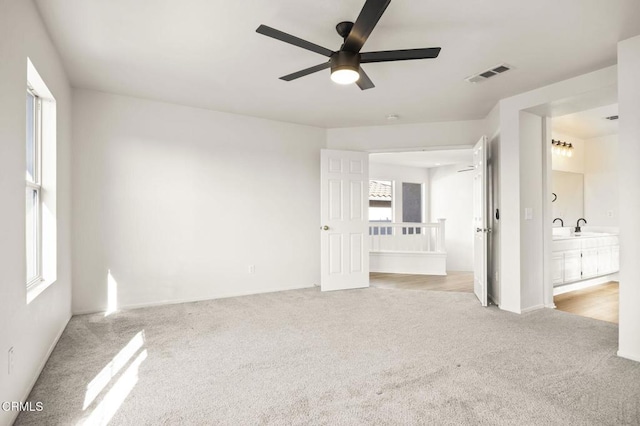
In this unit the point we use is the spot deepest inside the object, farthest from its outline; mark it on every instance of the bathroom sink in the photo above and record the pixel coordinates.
(580, 235)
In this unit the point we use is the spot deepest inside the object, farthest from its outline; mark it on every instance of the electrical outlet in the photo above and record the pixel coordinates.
(10, 361)
(252, 269)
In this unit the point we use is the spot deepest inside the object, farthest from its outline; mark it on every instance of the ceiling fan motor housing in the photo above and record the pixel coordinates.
(342, 60)
(344, 28)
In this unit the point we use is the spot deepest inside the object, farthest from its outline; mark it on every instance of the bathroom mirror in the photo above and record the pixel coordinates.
(569, 206)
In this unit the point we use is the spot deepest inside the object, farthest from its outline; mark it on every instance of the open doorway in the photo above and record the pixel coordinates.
(585, 206)
(421, 220)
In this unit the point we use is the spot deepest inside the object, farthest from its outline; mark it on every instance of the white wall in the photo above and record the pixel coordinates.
(597, 160)
(573, 164)
(178, 202)
(531, 230)
(515, 168)
(601, 181)
(406, 136)
(451, 197)
(398, 174)
(31, 329)
(629, 102)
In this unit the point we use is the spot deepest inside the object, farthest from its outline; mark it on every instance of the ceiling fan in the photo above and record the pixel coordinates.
(345, 62)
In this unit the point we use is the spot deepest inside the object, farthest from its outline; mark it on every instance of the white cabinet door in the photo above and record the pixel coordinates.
(589, 263)
(604, 261)
(557, 268)
(572, 266)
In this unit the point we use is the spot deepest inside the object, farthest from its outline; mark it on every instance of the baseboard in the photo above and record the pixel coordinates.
(514, 310)
(532, 308)
(579, 285)
(492, 300)
(627, 356)
(189, 300)
(14, 416)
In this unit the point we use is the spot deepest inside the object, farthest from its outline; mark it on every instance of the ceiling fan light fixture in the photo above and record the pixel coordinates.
(345, 76)
(345, 67)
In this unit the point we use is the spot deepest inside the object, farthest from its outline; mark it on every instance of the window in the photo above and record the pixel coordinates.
(34, 189)
(380, 201)
(411, 202)
(411, 206)
(40, 185)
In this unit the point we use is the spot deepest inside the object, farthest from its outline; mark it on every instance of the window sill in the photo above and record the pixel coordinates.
(35, 290)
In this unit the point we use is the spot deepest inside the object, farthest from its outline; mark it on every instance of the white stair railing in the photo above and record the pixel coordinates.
(407, 237)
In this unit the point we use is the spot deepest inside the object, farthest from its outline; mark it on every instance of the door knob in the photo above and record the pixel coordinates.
(326, 228)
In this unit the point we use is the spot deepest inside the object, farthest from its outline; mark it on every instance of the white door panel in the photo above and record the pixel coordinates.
(344, 197)
(480, 220)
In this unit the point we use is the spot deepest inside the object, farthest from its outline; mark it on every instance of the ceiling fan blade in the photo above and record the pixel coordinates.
(369, 16)
(399, 55)
(306, 71)
(364, 82)
(288, 38)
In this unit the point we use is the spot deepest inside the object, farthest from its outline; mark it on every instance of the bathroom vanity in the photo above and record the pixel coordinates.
(583, 256)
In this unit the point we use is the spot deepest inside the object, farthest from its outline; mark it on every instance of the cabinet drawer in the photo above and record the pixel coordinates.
(564, 245)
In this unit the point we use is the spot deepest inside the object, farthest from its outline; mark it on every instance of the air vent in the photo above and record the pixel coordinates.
(492, 72)
(612, 117)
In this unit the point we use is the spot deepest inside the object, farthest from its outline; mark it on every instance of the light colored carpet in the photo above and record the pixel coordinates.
(371, 356)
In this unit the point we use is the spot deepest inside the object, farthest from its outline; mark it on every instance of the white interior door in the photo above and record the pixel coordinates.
(344, 198)
(480, 220)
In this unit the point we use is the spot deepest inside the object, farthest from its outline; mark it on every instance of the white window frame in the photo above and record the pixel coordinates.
(35, 184)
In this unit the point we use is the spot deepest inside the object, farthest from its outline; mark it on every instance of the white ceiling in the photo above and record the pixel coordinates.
(206, 53)
(425, 159)
(588, 124)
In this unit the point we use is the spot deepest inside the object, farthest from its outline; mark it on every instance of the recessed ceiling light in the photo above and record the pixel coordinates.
(392, 117)
(438, 164)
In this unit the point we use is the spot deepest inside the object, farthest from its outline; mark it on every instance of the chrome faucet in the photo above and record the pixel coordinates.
(561, 221)
(578, 224)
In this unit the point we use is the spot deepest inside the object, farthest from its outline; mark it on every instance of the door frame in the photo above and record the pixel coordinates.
(493, 262)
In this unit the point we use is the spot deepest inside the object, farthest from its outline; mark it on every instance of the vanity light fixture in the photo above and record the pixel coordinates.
(564, 149)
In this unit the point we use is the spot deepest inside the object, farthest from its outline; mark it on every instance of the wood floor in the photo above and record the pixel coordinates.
(454, 281)
(599, 302)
